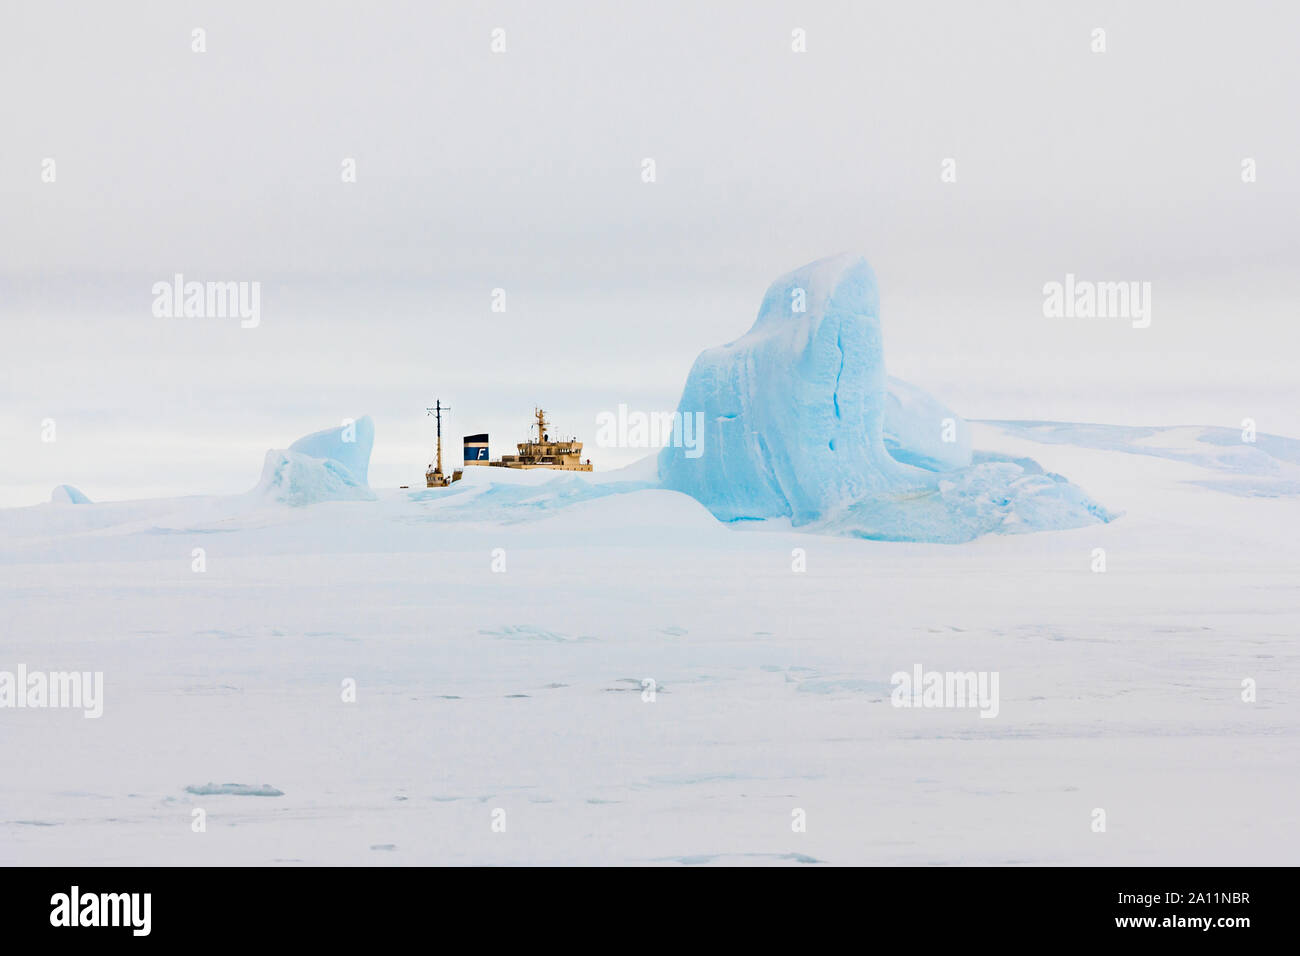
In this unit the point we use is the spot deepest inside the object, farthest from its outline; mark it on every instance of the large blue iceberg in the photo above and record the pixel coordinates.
(801, 422)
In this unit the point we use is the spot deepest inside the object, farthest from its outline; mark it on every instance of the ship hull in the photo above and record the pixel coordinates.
(525, 467)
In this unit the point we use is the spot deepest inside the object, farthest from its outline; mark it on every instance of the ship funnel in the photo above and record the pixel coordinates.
(476, 449)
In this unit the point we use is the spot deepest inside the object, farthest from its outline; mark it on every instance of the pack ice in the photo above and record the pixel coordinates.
(801, 422)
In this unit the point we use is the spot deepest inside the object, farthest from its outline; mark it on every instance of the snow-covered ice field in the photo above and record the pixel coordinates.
(521, 690)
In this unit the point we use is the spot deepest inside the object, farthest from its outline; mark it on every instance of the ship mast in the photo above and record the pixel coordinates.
(436, 411)
(541, 424)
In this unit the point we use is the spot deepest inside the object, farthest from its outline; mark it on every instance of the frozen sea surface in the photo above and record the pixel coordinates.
(502, 660)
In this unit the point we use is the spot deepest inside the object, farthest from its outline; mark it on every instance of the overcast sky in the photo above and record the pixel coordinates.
(522, 170)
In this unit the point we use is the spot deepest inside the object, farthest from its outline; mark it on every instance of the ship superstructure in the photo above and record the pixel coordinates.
(557, 454)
